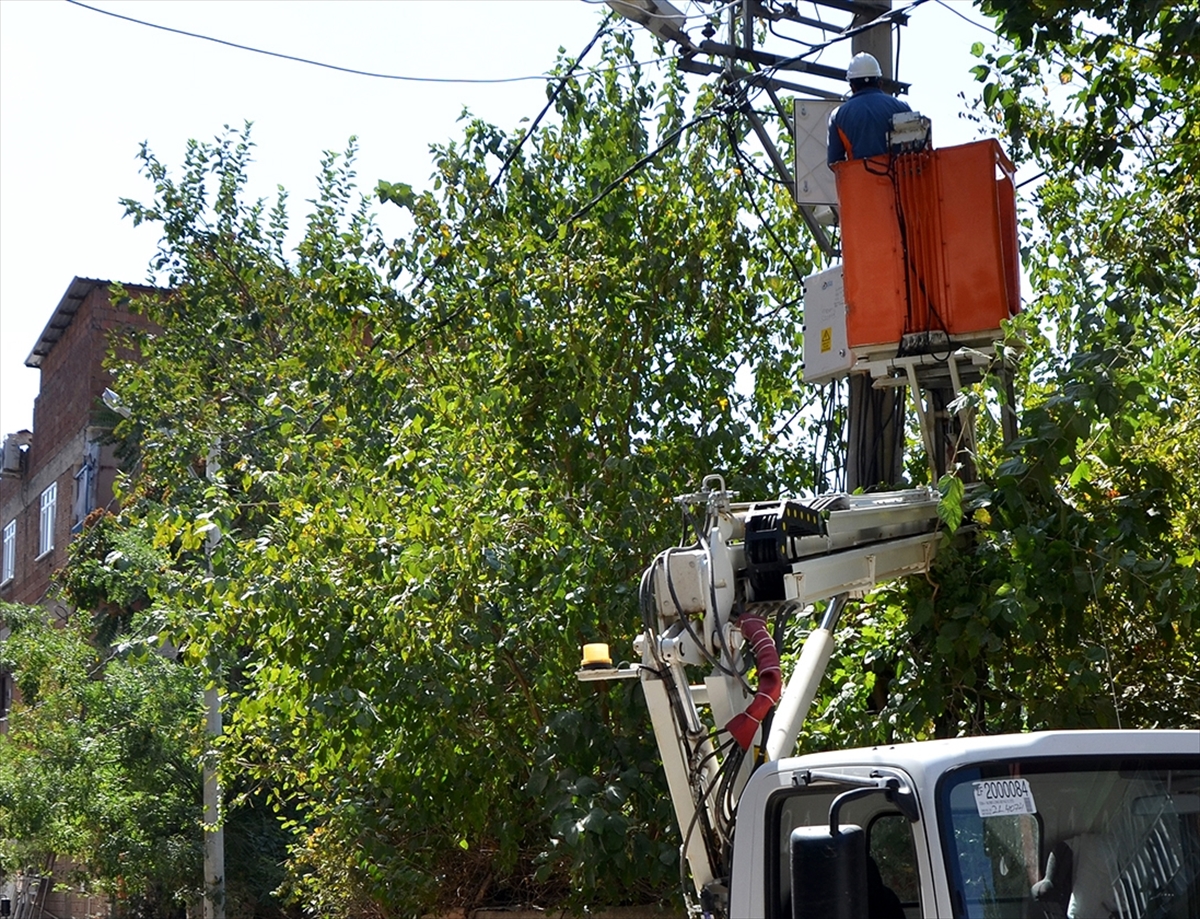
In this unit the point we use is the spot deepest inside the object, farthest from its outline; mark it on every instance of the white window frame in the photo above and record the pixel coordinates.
(49, 507)
(9, 570)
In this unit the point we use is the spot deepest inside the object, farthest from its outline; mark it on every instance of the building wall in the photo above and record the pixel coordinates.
(64, 430)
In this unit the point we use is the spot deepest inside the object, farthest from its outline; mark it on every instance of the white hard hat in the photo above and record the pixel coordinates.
(863, 66)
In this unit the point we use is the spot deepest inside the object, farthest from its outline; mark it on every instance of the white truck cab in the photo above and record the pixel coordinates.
(1080, 824)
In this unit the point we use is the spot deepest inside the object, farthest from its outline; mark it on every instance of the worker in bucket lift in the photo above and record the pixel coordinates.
(859, 128)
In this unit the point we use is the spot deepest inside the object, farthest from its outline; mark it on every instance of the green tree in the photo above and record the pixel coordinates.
(100, 766)
(401, 482)
(1072, 598)
(99, 771)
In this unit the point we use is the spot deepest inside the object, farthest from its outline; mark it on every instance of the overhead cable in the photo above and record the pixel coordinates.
(670, 139)
(545, 77)
(703, 14)
(966, 18)
(745, 159)
(893, 16)
(512, 155)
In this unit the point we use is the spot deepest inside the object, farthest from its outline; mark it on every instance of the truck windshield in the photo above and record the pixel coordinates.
(1080, 837)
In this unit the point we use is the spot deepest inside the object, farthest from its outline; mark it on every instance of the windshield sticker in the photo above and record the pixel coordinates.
(1003, 797)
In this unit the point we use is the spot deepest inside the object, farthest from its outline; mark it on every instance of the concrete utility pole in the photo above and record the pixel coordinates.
(214, 829)
(875, 454)
(214, 820)
(876, 41)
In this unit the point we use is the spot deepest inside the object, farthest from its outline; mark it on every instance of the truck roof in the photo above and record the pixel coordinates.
(939, 755)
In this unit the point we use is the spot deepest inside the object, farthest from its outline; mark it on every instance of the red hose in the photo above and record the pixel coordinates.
(770, 681)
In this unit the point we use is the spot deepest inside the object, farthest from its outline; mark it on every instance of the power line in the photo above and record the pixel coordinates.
(965, 18)
(890, 17)
(441, 260)
(703, 14)
(670, 139)
(741, 156)
(361, 73)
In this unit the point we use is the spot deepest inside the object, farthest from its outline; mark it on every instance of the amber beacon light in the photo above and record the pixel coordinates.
(596, 657)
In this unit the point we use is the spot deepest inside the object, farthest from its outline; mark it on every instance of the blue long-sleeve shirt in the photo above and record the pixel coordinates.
(859, 127)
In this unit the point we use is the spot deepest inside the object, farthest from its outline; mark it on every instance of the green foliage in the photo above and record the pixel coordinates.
(950, 504)
(396, 484)
(1069, 597)
(99, 770)
(111, 573)
(399, 483)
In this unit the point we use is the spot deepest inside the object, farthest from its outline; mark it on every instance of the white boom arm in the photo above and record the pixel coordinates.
(701, 603)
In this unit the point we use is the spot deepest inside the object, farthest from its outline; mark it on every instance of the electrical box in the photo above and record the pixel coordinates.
(827, 353)
(911, 131)
(815, 183)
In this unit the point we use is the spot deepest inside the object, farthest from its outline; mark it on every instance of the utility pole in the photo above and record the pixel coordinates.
(214, 829)
(876, 423)
(875, 428)
(214, 822)
(876, 41)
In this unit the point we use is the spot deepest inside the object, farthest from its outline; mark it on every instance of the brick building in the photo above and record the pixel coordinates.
(51, 478)
(55, 475)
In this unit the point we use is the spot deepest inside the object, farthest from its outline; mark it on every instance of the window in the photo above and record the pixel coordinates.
(890, 846)
(85, 486)
(889, 842)
(10, 552)
(1086, 836)
(46, 532)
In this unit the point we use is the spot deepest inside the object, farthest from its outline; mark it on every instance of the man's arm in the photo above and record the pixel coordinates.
(835, 150)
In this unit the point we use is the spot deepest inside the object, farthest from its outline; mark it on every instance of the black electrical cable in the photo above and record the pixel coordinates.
(817, 12)
(798, 41)
(512, 155)
(732, 756)
(703, 15)
(545, 77)
(762, 173)
(689, 521)
(966, 18)
(1040, 175)
(888, 17)
(683, 846)
(896, 63)
(783, 250)
(699, 803)
(643, 161)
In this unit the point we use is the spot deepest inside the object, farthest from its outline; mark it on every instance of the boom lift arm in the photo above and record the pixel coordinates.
(702, 604)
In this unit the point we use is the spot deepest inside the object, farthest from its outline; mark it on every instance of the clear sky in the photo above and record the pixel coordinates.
(79, 91)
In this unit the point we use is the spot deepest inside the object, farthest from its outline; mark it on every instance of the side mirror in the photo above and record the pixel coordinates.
(829, 872)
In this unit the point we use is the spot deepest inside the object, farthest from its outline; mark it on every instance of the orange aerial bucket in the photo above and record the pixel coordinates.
(929, 244)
